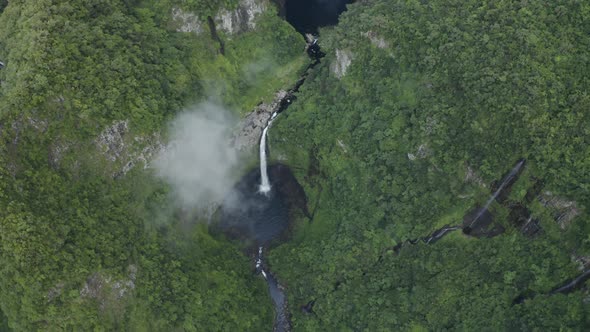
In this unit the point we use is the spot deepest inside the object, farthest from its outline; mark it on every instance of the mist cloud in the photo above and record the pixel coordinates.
(199, 161)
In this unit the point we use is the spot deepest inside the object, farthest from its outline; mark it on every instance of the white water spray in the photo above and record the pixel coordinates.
(264, 181)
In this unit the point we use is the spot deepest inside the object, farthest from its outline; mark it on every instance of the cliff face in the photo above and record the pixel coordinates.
(230, 21)
(241, 19)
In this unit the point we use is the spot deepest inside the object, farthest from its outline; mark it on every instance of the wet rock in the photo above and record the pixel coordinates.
(572, 284)
(503, 187)
(126, 152)
(250, 128)
(439, 234)
(308, 308)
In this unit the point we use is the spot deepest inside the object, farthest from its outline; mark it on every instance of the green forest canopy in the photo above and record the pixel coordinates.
(472, 85)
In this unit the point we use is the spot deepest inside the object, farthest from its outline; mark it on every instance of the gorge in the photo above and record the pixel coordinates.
(380, 185)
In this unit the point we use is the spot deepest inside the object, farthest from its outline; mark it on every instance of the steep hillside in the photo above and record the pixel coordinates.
(409, 124)
(89, 238)
(442, 147)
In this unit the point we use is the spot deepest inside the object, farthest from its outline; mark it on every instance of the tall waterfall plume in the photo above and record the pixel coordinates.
(264, 181)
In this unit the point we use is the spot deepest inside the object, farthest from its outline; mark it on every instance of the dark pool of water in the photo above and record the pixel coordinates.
(257, 218)
(306, 16)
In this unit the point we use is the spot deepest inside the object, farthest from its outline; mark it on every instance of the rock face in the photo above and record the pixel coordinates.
(564, 211)
(111, 140)
(106, 291)
(187, 22)
(250, 128)
(116, 145)
(343, 61)
(241, 19)
(231, 22)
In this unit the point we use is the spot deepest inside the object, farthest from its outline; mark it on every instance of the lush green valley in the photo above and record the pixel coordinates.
(82, 250)
(408, 124)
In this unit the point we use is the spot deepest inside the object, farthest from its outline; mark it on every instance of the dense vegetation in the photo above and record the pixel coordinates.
(440, 99)
(435, 88)
(79, 249)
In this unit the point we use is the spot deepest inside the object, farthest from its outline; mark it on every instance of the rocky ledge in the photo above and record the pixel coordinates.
(248, 133)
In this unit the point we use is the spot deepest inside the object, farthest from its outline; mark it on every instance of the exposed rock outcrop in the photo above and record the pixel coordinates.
(151, 148)
(342, 62)
(111, 141)
(250, 128)
(376, 40)
(472, 176)
(105, 290)
(186, 21)
(241, 19)
(117, 147)
(564, 211)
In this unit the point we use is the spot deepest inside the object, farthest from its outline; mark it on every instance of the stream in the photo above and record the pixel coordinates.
(475, 222)
(282, 320)
(258, 209)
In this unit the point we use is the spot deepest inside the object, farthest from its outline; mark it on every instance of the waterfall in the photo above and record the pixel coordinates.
(505, 181)
(264, 182)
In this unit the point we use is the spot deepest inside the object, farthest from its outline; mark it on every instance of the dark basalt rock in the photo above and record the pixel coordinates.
(287, 185)
(483, 226)
(308, 308)
(520, 217)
